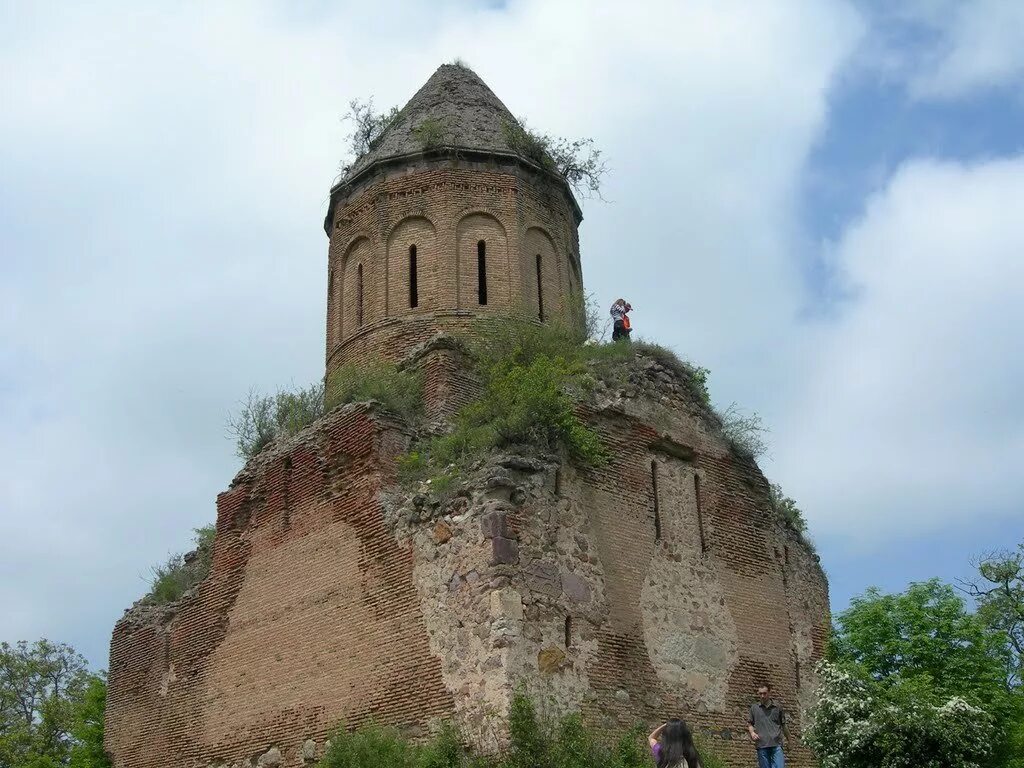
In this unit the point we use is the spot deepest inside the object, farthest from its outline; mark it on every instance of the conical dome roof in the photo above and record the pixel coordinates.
(455, 101)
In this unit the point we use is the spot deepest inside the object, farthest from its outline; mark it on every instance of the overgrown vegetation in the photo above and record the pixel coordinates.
(916, 679)
(532, 378)
(534, 742)
(746, 431)
(431, 132)
(786, 509)
(264, 418)
(578, 161)
(398, 390)
(180, 573)
(368, 125)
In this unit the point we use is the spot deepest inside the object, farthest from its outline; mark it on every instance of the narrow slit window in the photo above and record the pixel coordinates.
(657, 509)
(481, 272)
(286, 508)
(700, 514)
(414, 294)
(359, 296)
(540, 291)
(568, 632)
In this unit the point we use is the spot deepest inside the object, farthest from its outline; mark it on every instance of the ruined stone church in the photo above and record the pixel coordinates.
(658, 585)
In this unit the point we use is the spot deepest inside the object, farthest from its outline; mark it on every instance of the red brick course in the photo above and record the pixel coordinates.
(309, 616)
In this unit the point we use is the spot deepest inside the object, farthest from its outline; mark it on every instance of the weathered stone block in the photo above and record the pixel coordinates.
(504, 551)
(308, 751)
(495, 524)
(542, 576)
(576, 588)
(550, 659)
(270, 758)
(442, 532)
(506, 603)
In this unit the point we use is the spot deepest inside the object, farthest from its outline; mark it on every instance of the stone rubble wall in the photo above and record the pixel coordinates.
(541, 575)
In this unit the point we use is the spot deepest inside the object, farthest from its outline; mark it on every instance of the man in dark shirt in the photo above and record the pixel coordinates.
(767, 728)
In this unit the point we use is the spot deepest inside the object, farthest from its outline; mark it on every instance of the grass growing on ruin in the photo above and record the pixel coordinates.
(534, 742)
(432, 132)
(172, 579)
(578, 161)
(533, 377)
(262, 419)
(398, 390)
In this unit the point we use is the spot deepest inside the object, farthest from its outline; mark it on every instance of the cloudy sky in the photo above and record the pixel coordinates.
(822, 202)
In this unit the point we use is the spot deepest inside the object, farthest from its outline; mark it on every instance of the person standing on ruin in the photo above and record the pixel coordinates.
(620, 320)
(767, 728)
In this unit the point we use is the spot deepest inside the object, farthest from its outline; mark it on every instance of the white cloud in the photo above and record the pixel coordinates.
(950, 49)
(908, 416)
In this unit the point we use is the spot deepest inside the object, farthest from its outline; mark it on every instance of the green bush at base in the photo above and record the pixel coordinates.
(534, 742)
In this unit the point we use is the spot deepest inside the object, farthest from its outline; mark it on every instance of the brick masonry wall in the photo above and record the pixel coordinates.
(724, 600)
(309, 616)
(444, 208)
(656, 586)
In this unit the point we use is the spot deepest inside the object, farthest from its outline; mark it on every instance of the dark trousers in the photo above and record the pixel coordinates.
(619, 331)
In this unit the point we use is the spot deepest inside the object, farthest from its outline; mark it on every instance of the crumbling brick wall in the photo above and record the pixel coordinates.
(658, 585)
(309, 616)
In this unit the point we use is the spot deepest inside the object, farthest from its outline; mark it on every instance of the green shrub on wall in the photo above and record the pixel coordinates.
(262, 419)
(532, 376)
(176, 576)
(399, 391)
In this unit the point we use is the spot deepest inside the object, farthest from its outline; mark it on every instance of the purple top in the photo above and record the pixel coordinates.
(656, 751)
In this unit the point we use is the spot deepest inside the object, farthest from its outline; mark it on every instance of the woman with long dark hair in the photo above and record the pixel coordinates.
(672, 746)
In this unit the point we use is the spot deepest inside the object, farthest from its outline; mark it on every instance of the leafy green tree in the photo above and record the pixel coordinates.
(920, 653)
(41, 687)
(924, 634)
(87, 729)
(860, 722)
(999, 593)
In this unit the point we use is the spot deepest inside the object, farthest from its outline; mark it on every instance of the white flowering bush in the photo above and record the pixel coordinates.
(857, 723)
